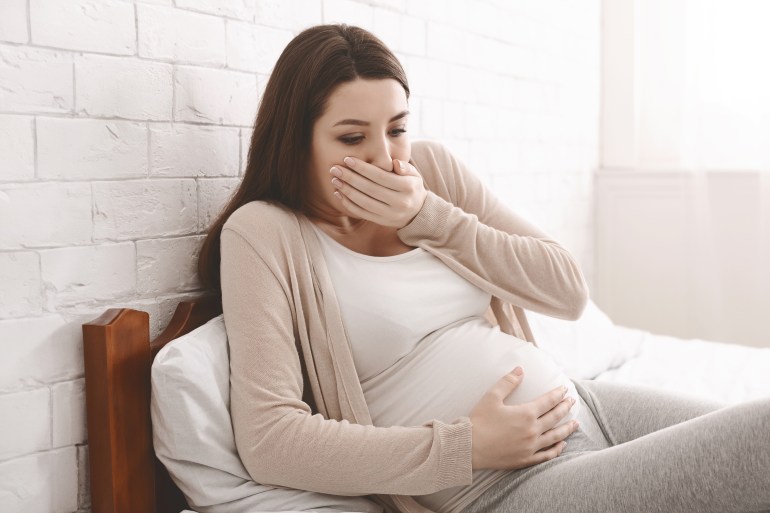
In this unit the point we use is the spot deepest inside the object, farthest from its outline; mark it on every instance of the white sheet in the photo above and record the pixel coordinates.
(720, 371)
(594, 347)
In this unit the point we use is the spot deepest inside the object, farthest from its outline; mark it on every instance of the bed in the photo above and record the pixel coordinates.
(127, 476)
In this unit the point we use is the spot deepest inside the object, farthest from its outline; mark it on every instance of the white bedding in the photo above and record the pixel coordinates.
(719, 371)
(593, 347)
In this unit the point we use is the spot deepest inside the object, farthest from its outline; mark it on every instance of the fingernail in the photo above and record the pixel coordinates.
(518, 371)
(349, 161)
(336, 182)
(575, 424)
(338, 195)
(336, 171)
(572, 400)
(403, 166)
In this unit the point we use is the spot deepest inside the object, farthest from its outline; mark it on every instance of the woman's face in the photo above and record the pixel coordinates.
(364, 119)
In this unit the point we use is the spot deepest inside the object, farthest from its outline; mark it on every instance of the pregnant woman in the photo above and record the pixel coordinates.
(374, 293)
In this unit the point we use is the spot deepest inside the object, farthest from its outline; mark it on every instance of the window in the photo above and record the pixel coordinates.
(686, 84)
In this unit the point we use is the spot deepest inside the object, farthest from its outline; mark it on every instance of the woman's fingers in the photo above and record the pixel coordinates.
(404, 168)
(557, 434)
(367, 186)
(355, 209)
(549, 400)
(363, 184)
(381, 177)
(558, 412)
(548, 453)
(360, 199)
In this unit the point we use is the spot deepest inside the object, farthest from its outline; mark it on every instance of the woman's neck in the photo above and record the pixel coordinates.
(340, 224)
(327, 216)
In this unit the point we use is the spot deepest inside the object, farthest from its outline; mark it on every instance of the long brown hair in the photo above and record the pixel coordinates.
(313, 63)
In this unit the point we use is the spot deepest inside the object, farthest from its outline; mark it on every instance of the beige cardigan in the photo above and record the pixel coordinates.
(285, 331)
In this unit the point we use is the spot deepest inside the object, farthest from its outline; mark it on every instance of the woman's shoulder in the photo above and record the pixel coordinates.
(437, 165)
(261, 219)
(429, 153)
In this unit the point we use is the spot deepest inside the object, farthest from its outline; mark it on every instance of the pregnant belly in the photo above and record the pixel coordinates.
(446, 374)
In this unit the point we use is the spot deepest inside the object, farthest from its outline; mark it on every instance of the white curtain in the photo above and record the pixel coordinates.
(686, 166)
(726, 100)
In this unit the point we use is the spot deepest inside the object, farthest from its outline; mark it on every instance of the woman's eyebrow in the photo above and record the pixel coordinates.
(366, 123)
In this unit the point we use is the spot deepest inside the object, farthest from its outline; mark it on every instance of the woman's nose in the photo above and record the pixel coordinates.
(380, 155)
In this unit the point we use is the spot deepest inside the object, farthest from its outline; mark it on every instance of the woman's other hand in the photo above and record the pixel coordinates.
(385, 198)
(520, 435)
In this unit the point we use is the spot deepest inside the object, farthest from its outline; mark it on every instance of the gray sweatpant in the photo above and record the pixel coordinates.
(639, 450)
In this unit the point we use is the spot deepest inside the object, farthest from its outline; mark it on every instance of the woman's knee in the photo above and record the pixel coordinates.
(746, 427)
(757, 413)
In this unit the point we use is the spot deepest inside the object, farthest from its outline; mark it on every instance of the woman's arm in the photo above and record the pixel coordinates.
(278, 439)
(482, 239)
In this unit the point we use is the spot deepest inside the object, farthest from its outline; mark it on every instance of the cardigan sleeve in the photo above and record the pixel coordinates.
(278, 439)
(482, 239)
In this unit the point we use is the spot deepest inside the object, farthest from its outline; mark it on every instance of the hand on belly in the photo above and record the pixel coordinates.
(445, 377)
(541, 375)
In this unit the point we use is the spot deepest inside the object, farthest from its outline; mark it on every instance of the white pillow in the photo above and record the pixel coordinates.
(588, 346)
(193, 434)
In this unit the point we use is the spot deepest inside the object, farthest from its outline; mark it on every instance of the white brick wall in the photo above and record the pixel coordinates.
(106, 26)
(44, 213)
(125, 126)
(83, 149)
(43, 482)
(13, 22)
(17, 147)
(36, 80)
(170, 34)
(123, 87)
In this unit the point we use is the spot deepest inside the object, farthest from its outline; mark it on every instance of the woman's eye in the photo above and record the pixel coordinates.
(396, 132)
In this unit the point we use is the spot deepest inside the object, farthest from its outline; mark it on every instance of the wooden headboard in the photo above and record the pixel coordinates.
(126, 477)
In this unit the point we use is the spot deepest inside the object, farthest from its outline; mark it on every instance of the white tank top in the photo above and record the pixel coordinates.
(423, 349)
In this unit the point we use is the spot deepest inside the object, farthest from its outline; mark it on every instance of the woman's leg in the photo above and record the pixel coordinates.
(653, 410)
(661, 453)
